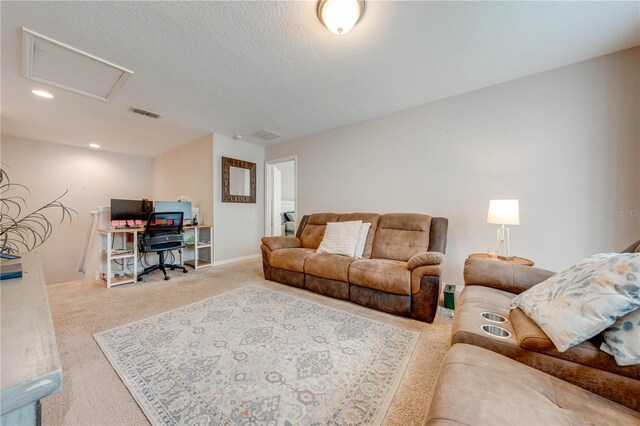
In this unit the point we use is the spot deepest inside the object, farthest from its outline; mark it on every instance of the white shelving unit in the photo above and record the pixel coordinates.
(115, 266)
(200, 250)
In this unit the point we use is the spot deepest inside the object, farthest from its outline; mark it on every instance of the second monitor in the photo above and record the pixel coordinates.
(175, 206)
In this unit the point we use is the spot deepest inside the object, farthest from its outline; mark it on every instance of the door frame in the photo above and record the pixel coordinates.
(268, 190)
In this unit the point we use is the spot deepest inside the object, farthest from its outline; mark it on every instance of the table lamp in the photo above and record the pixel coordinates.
(503, 212)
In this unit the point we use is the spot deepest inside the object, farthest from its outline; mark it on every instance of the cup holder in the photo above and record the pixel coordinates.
(493, 317)
(496, 331)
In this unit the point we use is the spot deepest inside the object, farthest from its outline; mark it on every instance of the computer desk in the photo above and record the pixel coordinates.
(114, 247)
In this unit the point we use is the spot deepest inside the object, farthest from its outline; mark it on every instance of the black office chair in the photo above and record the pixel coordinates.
(162, 232)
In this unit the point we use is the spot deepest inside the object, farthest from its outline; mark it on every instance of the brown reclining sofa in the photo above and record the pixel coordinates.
(399, 272)
(479, 384)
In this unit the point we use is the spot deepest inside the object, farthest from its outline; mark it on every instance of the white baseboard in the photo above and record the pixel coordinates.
(235, 259)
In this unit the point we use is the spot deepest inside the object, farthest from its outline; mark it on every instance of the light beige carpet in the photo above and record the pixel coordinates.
(93, 394)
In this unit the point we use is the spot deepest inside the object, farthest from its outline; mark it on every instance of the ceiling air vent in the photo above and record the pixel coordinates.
(57, 64)
(144, 112)
(266, 135)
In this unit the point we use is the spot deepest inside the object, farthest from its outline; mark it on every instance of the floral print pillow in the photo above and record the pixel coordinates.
(575, 305)
(622, 339)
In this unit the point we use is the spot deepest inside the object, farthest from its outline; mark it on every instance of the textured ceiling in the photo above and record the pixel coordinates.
(238, 67)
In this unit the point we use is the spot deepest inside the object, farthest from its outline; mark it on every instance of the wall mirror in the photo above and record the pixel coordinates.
(238, 181)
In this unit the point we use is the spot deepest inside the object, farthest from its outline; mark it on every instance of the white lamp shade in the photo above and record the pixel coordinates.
(503, 212)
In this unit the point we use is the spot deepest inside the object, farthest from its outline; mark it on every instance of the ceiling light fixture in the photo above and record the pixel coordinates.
(94, 145)
(340, 16)
(42, 93)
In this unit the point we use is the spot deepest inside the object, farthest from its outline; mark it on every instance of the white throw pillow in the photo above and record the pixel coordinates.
(340, 238)
(362, 239)
(575, 305)
(622, 339)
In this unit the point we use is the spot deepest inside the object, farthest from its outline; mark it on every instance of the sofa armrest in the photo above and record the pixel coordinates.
(502, 275)
(425, 259)
(277, 243)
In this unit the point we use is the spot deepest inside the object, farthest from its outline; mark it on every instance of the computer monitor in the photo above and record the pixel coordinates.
(175, 206)
(130, 209)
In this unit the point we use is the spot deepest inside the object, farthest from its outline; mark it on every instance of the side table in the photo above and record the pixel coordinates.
(516, 260)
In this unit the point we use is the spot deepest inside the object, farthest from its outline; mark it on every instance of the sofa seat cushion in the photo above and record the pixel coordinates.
(291, 259)
(391, 276)
(329, 266)
(477, 386)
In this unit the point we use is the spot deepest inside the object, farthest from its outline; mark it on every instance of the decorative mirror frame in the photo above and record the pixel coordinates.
(227, 197)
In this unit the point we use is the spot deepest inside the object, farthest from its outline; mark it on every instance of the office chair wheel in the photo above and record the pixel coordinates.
(184, 272)
(166, 278)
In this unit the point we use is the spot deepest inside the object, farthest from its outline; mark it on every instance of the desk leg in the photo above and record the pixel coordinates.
(135, 256)
(109, 236)
(100, 260)
(196, 249)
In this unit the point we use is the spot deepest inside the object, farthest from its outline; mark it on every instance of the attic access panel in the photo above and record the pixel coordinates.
(51, 62)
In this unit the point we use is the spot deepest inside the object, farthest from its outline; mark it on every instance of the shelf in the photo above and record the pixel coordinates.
(201, 263)
(197, 245)
(125, 279)
(117, 256)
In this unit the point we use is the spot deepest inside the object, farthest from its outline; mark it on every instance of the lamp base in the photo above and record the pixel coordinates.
(503, 243)
(505, 257)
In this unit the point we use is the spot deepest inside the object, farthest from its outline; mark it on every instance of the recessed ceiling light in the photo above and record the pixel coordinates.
(42, 93)
(340, 16)
(94, 145)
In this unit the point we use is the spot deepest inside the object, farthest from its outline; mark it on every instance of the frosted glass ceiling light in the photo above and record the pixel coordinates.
(340, 16)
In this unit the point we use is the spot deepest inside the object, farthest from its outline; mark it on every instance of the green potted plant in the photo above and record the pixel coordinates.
(20, 230)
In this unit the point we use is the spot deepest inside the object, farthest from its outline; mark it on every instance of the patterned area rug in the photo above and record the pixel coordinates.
(255, 356)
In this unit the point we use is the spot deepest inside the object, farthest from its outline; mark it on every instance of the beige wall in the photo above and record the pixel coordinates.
(187, 170)
(564, 142)
(238, 227)
(92, 177)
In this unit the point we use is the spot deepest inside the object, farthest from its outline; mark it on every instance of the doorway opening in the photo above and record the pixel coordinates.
(281, 197)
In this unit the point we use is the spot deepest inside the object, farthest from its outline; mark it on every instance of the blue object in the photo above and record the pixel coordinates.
(174, 206)
(8, 272)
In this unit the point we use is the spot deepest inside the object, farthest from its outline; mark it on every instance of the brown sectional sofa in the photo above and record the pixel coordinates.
(522, 378)
(489, 287)
(399, 272)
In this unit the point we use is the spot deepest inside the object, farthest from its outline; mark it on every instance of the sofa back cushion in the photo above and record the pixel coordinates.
(401, 235)
(313, 231)
(438, 234)
(371, 218)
